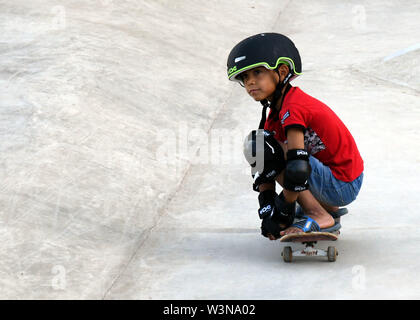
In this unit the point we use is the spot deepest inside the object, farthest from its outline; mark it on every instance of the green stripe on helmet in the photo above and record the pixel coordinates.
(233, 72)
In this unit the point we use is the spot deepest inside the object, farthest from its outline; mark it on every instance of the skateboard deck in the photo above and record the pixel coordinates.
(309, 237)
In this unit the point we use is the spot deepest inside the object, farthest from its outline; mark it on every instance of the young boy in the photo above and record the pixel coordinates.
(302, 145)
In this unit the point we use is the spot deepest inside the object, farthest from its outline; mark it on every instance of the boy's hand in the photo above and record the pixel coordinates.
(266, 212)
(270, 228)
(275, 212)
(271, 237)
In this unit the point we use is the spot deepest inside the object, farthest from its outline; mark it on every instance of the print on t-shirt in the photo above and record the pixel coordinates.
(313, 143)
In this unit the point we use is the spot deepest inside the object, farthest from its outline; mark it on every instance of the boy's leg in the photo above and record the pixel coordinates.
(310, 206)
(312, 209)
(315, 210)
(328, 207)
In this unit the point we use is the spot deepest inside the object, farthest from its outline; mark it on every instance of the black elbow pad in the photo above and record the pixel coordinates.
(297, 170)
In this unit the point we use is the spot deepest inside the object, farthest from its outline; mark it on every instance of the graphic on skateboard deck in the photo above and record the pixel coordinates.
(309, 239)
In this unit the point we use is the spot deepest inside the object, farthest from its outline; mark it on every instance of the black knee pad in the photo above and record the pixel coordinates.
(263, 152)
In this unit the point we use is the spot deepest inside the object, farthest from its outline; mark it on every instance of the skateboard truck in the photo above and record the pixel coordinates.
(309, 251)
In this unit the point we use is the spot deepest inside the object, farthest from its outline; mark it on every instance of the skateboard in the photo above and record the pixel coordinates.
(309, 239)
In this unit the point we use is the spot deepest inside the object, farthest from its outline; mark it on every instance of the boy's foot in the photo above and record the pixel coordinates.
(323, 221)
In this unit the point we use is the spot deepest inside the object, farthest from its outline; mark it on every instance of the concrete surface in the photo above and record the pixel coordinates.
(121, 170)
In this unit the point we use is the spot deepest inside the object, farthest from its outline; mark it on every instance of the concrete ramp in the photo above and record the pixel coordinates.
(401, 67)
(98, 106)
(121, 169)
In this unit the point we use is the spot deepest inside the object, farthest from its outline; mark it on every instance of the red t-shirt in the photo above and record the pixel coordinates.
(326, 136)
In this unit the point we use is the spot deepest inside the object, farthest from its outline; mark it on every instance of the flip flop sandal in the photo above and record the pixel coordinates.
(307, 224)
(335, 227)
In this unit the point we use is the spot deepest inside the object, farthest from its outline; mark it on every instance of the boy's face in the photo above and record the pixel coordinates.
(260, 83)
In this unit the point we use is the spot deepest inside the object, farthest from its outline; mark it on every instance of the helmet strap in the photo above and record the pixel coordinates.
(276, 97)
(266, 105)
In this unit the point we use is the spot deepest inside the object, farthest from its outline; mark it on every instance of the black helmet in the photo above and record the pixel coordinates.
(265, 49)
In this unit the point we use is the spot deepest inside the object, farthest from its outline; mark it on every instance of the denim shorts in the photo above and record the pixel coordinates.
(329, 190)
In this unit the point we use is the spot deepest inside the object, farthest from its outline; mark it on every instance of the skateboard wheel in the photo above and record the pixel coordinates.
(332, 254)
(287, 254)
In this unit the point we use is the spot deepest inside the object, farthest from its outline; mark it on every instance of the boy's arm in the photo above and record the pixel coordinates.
(295, 139)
